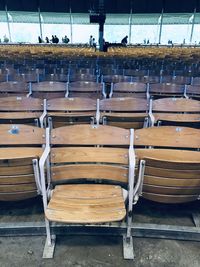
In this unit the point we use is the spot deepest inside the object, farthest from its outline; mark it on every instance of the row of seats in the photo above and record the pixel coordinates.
(124, 112)
(77, 76)
(94, 174)
(98, 90)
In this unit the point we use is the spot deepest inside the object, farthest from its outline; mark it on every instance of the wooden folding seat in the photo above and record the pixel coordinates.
(115, 78)
(175, 79)
(21, 109)
(3, 77)
(55, 77)
(13, 89)
(48, 89)
(193, 91)
(85, 89)
(170, 163)
(177, 111)
(75, 77)
(158, 90)
(92, 179)
(20, 150)
(195, 81)
(68, 111)
(25, 77)
(129, 89)
(150, 79)
(136, 72)
(124, 112)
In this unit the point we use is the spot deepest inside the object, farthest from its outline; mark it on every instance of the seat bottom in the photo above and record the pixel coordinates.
(86, 203)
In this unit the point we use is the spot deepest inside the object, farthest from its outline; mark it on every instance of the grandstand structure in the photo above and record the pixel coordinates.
(87, 135)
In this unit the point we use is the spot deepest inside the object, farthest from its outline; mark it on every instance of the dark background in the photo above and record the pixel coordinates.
(111, 6)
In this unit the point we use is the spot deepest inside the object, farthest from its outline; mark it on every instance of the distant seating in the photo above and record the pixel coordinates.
(193, 91)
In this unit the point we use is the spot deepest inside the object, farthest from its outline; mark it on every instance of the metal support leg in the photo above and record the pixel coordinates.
(49, 248)
(128, 251)
(196, 218)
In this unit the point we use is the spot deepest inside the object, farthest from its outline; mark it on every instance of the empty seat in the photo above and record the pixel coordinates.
(171, 172)
(166, 90)
(178, 111)
(67, 111)
(124, 112)
(85, 89)
(48, 89)
(13, 89)
(128, 89)
(20, 109)
(90, 176)
(20, 150)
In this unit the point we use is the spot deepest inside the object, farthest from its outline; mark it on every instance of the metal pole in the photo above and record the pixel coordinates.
(130, 25)
(71, 22)
(101, 25)
(8, 23)
(192, 29)
(40, 21)
(161, 23)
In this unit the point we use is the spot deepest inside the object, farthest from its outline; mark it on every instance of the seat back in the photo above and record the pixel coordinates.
(175, 110)
(20, 147)
(48, 89)
(129, 89)
(67, 111)
(13, 89)
(124, 112)
(172, 168)
(89, 89)
(166, 89)
(82, 152)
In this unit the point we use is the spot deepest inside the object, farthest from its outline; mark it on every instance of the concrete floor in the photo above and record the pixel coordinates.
(98, 251)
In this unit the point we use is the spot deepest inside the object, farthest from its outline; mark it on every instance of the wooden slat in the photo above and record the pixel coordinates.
(93, 208)
(16, 170)
(126, 125)
(28, 135)
(19, 115)
(193, 90)
(48, 86)
(171, 182)
(129, 87)
(170, 198)
(88, 154)
(71, 104)
(171, 190)
(15, 86)
(176, 105)
(17, 179)
(88, 135)
(124, 104)
(168, 136)
(90, 171)
(20, 103)
(18, 156)
(17, 188)
(177, 117)
(176, 172)
(168, 155)
(85, 86)
(17, 196)
(166, 88)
